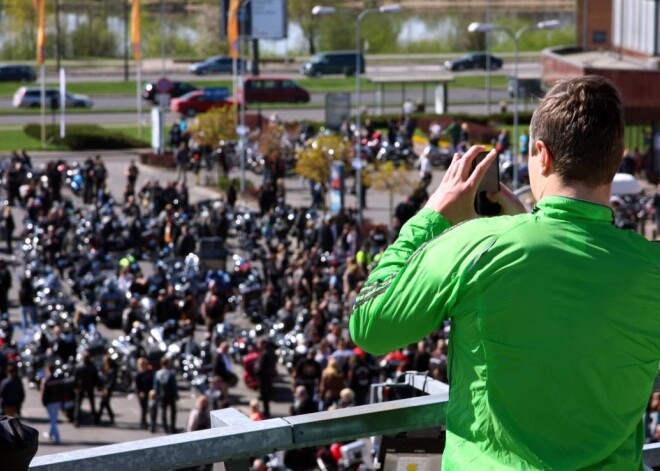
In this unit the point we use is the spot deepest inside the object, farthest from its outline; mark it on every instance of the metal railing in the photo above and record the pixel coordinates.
(234, 438)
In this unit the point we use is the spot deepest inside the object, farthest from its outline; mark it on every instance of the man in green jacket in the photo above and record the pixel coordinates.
(555, 319)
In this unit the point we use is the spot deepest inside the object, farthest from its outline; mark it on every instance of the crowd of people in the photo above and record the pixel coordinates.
(311, 274)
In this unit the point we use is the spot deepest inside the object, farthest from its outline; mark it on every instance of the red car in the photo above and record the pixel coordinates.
(274, 90)
(198, 101)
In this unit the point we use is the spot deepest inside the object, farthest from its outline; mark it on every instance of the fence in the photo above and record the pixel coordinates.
(234, 438)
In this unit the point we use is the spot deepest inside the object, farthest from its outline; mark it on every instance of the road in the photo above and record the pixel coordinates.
(459, 100)
(179, 71)
(468, 101)
(391, 95)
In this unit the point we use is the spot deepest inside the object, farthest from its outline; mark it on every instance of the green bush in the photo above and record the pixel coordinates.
(85, 136)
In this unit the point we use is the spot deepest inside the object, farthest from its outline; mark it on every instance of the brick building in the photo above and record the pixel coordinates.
(620, 40)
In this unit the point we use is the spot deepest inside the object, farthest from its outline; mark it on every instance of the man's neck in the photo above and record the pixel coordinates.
(599, 194)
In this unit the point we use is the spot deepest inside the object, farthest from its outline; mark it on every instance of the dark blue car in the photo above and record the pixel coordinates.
(474, 61)
(216, 65)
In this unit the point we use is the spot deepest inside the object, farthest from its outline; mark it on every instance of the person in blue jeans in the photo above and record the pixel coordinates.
(51, 400)
(26, 300)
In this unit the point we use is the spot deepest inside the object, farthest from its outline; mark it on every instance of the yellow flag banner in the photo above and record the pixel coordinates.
(135, 28)
(40, 7)
(232, 29)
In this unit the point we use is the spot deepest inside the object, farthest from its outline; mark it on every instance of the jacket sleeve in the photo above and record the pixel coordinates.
(412, 289)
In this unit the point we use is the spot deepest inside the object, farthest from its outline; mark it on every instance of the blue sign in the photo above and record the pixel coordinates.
(216, 93)
(599, 37)
(336, 186)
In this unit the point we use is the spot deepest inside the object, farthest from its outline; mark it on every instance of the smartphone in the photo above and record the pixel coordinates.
(490, 182)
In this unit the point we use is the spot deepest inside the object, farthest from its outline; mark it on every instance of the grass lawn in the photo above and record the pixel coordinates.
(15, 139)
(133, 131)
(37, 111)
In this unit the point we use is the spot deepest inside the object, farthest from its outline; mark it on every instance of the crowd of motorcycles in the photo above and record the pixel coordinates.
(82, 286)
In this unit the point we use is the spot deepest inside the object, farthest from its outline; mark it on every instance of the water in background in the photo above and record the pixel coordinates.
(413, 27)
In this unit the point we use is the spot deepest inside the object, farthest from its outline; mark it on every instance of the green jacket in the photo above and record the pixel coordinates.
(555, 332)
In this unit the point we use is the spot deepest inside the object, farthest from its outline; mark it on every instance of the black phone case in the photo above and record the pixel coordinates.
(482, 205)
(485, 207)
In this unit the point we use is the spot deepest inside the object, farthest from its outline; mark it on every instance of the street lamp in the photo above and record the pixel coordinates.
(486, 27)
(323, 10)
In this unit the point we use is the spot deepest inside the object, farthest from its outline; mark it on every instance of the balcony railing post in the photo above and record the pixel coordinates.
(227, 418)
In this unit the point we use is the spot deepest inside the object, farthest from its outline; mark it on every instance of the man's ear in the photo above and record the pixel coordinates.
(546, 158)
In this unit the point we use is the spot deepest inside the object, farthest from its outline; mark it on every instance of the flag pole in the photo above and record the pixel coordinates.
(138, 80)
(40, 6)
(233, 38)
(62, 103)
(135, 37)
(43, 104)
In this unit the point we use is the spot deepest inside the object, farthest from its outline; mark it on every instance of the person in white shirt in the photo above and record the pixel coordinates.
(425, 169)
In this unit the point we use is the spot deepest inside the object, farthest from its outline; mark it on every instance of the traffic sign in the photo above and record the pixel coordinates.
(164, 85)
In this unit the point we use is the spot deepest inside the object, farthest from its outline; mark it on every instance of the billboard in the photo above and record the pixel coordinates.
(257, 19)
(337, 109)
(337, 187)
(269, 19)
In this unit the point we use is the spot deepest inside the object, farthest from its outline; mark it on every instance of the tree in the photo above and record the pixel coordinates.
(300, 11)
(393, 180)
(315, 159)
(20, 31)
(217, 124)
(271, 142)
(208, 29)
(380, 32)
(337, 33)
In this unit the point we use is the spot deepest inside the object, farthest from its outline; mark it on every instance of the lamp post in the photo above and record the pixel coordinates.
(323, 10)
(487, 27)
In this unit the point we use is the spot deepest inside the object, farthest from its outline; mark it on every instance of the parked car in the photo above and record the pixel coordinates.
(217, 65)
(30, 97)
(178, 89)
(274, 90)
(198, 101)
(474, 61)
(340, 62)
(17, 73)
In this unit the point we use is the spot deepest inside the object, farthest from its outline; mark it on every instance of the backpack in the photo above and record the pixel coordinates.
(361, 377)
(100, 172)
(165, 385)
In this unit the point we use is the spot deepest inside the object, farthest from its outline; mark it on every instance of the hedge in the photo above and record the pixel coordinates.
(495, 119)
(85, 137)
(524, 118)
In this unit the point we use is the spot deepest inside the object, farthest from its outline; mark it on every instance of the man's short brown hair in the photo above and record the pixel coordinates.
(581, 123)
